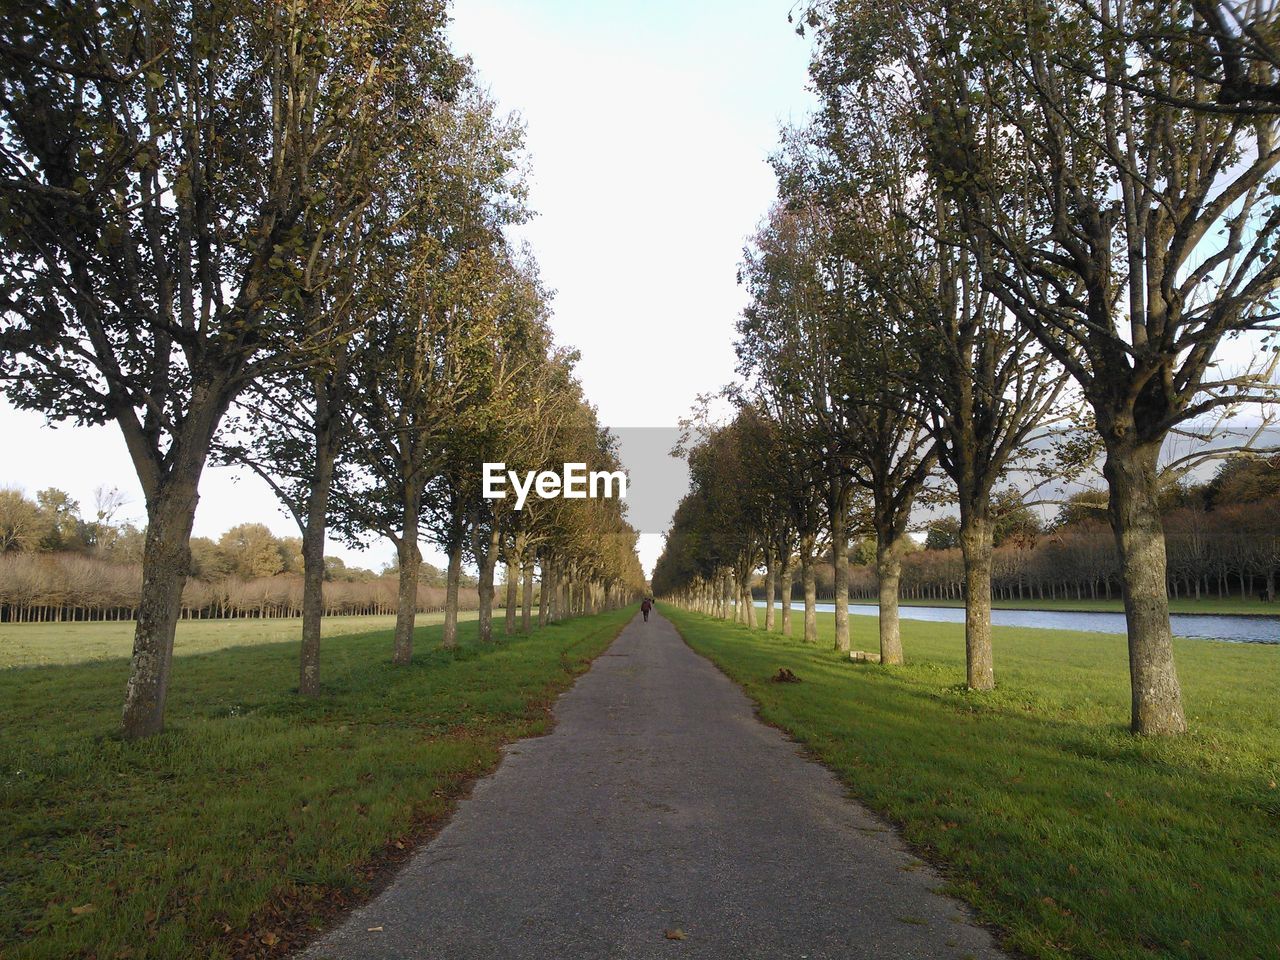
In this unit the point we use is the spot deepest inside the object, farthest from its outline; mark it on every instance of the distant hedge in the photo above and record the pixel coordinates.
(57, 587)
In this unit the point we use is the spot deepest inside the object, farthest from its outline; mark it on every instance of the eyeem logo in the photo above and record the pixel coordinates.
(575, 483)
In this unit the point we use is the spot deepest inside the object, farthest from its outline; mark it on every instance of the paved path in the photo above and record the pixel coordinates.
(659, 803)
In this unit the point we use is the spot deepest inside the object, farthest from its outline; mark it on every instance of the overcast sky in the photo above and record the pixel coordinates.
(649, 126)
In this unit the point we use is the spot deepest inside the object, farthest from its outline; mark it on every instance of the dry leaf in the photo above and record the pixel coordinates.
(676, 934)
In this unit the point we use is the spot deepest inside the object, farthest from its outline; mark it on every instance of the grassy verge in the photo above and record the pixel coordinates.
(1232, 606)
(48, 644)
(255, 815)
(1074, 837)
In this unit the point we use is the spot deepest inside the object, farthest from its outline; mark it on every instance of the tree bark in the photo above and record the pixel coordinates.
(889, 571)
(1130, 470)
(449, 640)
(313, 546)
(407, 601)
(784, 574)
(770, 588)
(545, 586)
(488, 564)
(509, 611)
(526, 601)
(840, 573)
(975, 546)
(809, 575)
(166, 562)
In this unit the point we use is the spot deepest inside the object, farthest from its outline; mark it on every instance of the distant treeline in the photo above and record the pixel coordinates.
(56, 587)
(1222, 539)
(56, 566)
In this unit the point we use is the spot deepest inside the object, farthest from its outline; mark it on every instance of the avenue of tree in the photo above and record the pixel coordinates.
(56, 565)
(1013, 242)
(276, 235)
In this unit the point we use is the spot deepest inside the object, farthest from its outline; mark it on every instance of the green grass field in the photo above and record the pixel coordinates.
(255, 815)
(1209, 605)
(46, 644)
(1072, 836)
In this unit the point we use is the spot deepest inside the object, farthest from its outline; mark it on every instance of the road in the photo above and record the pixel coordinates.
(659, 818)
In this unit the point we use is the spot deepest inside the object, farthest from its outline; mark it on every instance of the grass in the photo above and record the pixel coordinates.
(1231, 606)
(1072, 836)
(44, 644)
(255, 815)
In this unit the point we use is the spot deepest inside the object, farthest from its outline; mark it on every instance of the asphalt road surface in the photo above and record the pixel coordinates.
(659, 818)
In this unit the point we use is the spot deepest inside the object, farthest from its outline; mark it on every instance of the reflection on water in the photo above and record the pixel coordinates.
(1198, 626)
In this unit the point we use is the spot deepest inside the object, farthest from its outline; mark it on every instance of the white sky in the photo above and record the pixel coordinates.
(649, 125)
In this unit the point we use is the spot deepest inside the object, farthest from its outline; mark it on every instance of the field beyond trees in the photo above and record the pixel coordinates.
(50, 644)
(256, 814)
(1072, 836)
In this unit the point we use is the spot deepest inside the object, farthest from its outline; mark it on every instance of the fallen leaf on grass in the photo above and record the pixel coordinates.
(675, 935)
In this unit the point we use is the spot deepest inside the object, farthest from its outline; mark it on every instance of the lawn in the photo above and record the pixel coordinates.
(1072, 836)
(256, 815)
(40, 644)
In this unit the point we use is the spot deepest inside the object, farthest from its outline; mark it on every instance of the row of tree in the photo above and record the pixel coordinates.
(277, 235)
(1222, 539)
(1234, 552)
(67, 587)
(1016, 236)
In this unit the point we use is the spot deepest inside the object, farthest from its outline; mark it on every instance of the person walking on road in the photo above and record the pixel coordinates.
(645, 606)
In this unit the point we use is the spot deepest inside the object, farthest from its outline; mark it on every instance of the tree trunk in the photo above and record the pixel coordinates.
(770, 579)
(1135, 518)
(784, 574)
(449, 639)
(526, 601)
(840, 572)
(488, 564)
(166, 561)
(808, 574)
(313, 547)
(544, 592)
(889, 570)
(407, 601)
(975, 546)
(509, 611)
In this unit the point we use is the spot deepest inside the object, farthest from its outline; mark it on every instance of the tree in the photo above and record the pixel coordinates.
(943, 534)
(1149, 244)
(965, 369)
(19, 522)
(163, 172)
(784, 357)
(431, 348)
